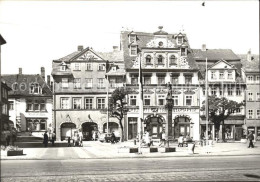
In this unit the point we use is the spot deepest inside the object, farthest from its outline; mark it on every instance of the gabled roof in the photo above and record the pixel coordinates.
(220, 62)
(85, 51)
(24, 81)
(250, 66)
(215, 54)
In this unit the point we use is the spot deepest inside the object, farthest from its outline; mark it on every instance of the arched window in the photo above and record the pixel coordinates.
(173, 60)
(148, 59)
(160, 59)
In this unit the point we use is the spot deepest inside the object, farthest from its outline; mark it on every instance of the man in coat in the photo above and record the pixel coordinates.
(45, 139)
(250, 138)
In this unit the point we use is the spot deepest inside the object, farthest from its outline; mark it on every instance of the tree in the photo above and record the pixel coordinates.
(117, 107)
(219, 110)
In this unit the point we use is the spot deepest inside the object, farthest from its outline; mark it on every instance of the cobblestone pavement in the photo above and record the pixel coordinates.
(232, 168)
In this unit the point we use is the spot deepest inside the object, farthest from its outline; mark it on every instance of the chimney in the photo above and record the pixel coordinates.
(249, 55)
(203, 47)
(43, 73)
(115, 48)
(49, 80)
(20, 71)
(80, 48)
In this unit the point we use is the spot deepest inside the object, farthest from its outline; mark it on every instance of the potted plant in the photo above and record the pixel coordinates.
(13, 151)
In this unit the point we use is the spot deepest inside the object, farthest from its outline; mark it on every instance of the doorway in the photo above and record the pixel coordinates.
(67, 130)
(154, 125)
(88, 128)
(181, 127)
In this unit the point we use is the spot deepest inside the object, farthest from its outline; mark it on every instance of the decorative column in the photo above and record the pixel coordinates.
(168, 106)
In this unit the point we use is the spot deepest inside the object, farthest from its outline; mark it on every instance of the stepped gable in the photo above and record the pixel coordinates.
(20, 84)
(215, 55)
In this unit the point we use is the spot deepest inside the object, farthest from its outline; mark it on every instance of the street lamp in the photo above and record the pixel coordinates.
(168, 106)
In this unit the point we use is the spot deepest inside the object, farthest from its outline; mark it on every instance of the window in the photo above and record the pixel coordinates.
(101, 103)
(213, 91)
(147, 80)
(258, 113)
(132, 128)
(250, 79)
(77, 66)
(148, 59)
(188, 79)
(147, 99)
(175, 79)
(36, 105)
(188, 100)
(132, 38)
(65, 83)
(230, 75)
(29, 105)
(161, 80)
(213, 75)
(160, 44)
(173, 60)
(134, 79)
(65, 103)
(250, 96)
(4, 109)
(230, 90)
(258, 96)
(89, 66)
(221, 91)
(183, 52)
(238, 91)
(180, 39)
(101, 67)
(35, 88)
(160, 59)
(101, 83)
(257, 79)
(89, 83)
(175, 100)
(42, 105)
(221, 75)
(132, 100)
(161, 100)
(76, 103)
(88, 103)
(133, 50)
(250, 113)
(43, 124)
(63, 68)
(11, 105)
(76, 83)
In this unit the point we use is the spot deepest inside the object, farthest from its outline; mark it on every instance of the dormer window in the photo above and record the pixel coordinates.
(160, 59)
(180, 39)
(35, 88)
(133, 50)
(114, 69)
(63, 68)
(148, 59)
(132, 38)
(173, 60)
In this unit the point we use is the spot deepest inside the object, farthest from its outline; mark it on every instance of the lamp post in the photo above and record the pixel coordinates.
(168, 106)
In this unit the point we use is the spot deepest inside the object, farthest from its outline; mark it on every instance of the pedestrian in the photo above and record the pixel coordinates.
(45, 139)
(53, 138)
(94, 136)
(250, 138)
(69, 142)
(162, 138)
(180, 141)
(113, 138)
(147, 139)
(80, 139)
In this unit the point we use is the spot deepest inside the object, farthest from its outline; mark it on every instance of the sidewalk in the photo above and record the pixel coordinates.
(98, 150)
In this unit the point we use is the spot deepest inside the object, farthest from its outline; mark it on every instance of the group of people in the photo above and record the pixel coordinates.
(46, 139)
(77, 140)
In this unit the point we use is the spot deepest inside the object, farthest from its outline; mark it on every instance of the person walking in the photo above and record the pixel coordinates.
(162, 138)
(113, 138)
(45, 139)
(250, 138)
(53, 138)
(69, 142)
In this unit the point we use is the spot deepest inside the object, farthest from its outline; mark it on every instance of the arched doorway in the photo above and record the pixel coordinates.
(181, 126)
(67, 130)
(87, 130)
(154, 125)
(112, 126)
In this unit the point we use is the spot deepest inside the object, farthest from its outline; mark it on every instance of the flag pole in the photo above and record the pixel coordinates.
(140, 119)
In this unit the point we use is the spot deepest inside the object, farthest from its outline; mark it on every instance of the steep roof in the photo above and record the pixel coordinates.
(115, 56)
(250, 66)
(24, 81)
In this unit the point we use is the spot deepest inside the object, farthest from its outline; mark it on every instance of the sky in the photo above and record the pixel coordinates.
(38, 32)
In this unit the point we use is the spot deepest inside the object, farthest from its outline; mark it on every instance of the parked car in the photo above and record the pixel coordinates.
(106, 137)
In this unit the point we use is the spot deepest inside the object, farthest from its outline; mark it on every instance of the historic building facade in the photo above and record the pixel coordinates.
(225, 79)
(252, 95)
(81, 92)
(165, 58)
(30, 102)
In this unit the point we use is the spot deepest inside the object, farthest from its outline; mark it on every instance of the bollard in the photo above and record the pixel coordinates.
(134, 142)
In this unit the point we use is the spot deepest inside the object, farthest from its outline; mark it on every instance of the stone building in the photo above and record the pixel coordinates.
(252, 96)
(30, 102)
(81, 92)
(164, 58)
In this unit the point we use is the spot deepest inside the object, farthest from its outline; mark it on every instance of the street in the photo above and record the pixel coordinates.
(219, 168)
